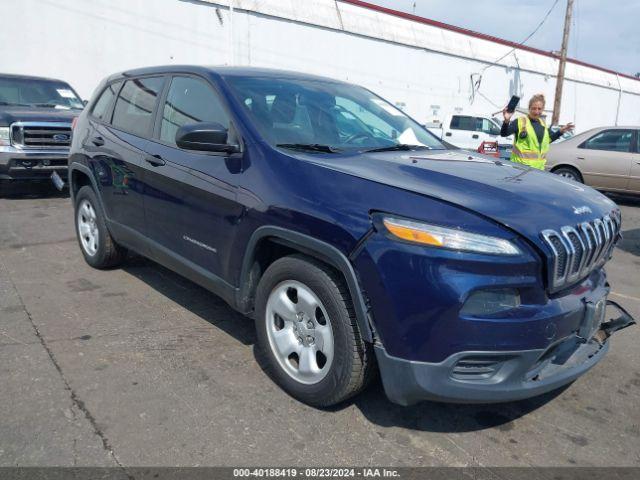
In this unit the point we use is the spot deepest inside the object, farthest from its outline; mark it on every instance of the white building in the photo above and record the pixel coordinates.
(423, 66)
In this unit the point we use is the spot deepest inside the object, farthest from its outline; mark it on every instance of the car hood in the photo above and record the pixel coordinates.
(523, 199)
(9, 115)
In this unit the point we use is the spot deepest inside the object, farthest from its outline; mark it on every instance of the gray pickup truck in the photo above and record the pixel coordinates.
(35, 127)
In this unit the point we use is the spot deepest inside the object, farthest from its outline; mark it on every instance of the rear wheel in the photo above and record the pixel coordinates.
(308, 333)
(98, 247)
(570, 173)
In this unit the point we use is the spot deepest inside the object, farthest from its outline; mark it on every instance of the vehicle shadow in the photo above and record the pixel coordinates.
(31, 190)
(192, 297)
(445, 417)
(630, 241)
(630, 238)
(426, 416)
(626, 200)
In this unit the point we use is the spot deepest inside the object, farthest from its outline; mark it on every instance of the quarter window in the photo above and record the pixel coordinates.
(190, 100)
(133, 112)
(101, 107)
(610, 140)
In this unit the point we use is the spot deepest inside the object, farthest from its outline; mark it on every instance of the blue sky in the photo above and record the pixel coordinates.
(603, 33)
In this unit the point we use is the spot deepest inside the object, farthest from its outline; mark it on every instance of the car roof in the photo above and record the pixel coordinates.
(617, 127)
(30, 77)
(222, 71)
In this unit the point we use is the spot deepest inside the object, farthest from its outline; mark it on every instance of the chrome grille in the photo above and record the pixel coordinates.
(577, 251)
(41, 135)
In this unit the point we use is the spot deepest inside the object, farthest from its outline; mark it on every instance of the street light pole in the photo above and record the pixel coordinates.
(563, 60)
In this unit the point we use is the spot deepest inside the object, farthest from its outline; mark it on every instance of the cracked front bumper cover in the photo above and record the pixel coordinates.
(497, 376)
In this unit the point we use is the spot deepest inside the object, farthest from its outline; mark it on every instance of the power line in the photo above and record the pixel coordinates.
(475, 84)
(528, 36)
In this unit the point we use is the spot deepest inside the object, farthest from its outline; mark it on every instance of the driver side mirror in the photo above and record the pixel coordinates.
(204, 137)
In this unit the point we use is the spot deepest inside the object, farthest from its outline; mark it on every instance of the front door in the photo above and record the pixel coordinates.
(190, 197)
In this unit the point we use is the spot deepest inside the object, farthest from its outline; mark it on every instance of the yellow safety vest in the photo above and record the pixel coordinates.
(528, 150)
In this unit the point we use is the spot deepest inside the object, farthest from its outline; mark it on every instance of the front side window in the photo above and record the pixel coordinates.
(610, 140)
(485, 125)
(291, 111)
(133, 112)
(35, 92)
(100, 109)
(190, 100)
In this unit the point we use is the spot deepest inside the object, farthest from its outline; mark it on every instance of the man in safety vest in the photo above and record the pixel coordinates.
(531, 136)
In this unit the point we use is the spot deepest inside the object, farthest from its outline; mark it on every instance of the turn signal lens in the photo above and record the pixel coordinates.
(412, 234)
(450, 238)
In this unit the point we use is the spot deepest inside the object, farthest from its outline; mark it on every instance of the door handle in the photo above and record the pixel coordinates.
(474, 136)
(448, 134)
(580, 158)
(97, 141)
(155, 160)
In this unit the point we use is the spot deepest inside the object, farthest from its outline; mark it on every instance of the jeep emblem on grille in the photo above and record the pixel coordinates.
(581, 210)
(61, 137)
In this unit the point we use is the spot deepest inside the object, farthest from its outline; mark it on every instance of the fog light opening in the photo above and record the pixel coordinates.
(490, 302)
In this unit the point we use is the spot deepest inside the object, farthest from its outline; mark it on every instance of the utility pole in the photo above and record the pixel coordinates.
(232, 51)
(563, 60)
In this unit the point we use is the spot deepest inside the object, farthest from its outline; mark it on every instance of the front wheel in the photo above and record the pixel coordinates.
(308, 333)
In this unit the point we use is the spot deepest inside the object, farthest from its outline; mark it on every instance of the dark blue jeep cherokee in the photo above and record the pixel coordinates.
(356, 239)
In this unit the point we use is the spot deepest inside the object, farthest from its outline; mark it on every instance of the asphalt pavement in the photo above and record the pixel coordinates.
(138, 366)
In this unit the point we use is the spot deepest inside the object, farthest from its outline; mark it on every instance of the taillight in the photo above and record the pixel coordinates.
(73, 123)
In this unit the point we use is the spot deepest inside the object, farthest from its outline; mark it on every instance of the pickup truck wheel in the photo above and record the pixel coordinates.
(98, 247)
(570, 173)
(308, 334)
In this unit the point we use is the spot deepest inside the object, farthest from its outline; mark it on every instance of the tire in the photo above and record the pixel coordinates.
(310, 304)
(570, 173)
(96, 243)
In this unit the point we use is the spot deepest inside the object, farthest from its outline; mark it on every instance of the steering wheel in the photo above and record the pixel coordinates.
(353, 137)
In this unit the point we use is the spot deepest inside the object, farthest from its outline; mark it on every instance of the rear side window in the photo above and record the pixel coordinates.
(133, 112)
(610, 140)
(460, 122)
(101, 107)
(190, 100)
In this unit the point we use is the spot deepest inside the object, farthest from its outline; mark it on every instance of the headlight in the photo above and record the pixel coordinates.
(450, 238)
(4, 136)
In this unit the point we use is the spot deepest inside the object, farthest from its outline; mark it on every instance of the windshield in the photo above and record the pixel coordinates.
(326, 116)
(30, 92)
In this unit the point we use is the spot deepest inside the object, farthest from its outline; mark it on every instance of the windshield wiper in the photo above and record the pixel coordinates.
(10, 104)
(399, 146)
(48, 105)
(311, 147)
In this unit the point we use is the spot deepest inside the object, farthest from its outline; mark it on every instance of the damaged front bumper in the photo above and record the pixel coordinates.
(502, 376)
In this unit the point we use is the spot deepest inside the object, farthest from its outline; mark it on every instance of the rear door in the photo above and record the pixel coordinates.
(634, 177)
(605, 158)
(190, 200)
(465, 131)
(116, 142)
